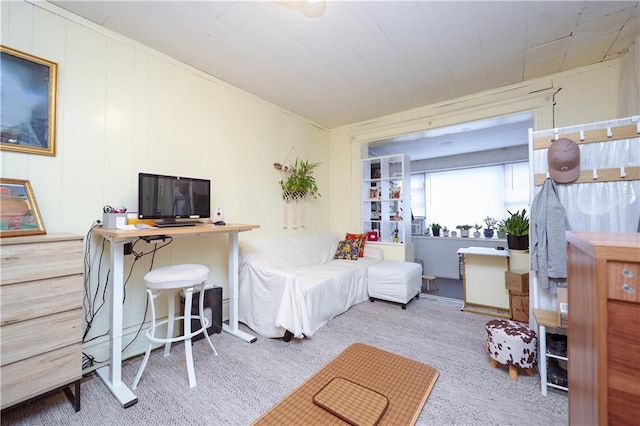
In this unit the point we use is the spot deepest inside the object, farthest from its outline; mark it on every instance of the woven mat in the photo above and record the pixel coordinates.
(406, 383)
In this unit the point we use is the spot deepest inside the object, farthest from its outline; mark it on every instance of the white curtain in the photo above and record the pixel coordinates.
(600, 206)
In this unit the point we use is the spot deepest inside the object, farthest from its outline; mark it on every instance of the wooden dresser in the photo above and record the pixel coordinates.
(604, 328)
(41, 293)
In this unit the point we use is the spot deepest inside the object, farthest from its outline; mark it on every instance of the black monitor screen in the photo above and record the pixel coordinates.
(173, 197)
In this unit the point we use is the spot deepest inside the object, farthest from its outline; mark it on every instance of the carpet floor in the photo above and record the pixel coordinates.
(245, 380)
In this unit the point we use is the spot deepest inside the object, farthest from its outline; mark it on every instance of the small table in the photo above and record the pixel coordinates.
(483, 280)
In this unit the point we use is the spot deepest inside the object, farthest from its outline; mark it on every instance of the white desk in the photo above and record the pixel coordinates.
(111, 374)
(483, 279)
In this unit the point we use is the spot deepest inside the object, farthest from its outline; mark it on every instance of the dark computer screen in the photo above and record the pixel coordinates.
(173, 197)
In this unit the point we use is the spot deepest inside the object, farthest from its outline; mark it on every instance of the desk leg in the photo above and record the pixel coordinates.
(232, 327)
(111, 374)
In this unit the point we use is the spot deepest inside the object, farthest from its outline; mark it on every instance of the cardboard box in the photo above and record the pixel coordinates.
(519, 306)
(563, 307)
(517, 281)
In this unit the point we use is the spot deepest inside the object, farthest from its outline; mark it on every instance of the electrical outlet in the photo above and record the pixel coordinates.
(128, 248)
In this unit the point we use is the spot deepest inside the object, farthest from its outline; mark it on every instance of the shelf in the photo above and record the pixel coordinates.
(547, 318)
(386, 195)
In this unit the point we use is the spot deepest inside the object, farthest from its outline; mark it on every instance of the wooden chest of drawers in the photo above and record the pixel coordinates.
(604, 328)
(40, 316)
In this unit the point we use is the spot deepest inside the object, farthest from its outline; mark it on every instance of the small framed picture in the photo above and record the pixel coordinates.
(374, 193)
(19, 214)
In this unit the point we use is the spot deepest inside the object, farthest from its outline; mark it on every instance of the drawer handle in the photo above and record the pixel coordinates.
(627, 273)
(627, 288)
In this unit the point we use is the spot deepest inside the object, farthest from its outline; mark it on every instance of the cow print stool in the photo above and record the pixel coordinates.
(512, 344)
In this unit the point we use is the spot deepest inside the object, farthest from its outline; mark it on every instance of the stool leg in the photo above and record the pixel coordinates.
(171, 317)
(150, 332)
(427, 284)
(494, 363)
(513, 373)
(435, 282)
(187, 332)
(204, 321)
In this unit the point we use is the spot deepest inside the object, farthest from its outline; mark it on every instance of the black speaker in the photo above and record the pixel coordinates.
(212, 310)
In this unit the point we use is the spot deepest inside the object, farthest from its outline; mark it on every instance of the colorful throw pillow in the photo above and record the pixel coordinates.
(361, 238)
(348, 249)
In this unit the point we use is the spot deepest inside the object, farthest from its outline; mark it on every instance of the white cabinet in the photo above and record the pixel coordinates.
(386, 198)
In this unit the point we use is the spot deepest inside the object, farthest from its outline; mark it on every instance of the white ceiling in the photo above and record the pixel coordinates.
(365, 59)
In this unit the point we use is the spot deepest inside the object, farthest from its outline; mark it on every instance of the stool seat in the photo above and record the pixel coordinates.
(512, 344)
(176, 276)
(188, 279)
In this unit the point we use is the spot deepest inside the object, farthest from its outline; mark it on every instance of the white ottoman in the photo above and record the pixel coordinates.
(394, 281)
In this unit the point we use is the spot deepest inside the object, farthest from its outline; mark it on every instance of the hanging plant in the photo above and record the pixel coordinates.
(297, 181)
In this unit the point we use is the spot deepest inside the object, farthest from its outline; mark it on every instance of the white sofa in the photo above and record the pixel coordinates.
(293, 283)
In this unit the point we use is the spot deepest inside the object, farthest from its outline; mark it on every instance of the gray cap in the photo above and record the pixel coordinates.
(564, 160)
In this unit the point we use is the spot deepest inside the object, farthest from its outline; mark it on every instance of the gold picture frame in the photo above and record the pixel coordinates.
(19, 214)
(28, 103)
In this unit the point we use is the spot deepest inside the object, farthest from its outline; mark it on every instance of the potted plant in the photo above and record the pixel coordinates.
(445, 231)
(298, 182)
(517, 227)
(491, 223)
(476, 233)
(502, 232)
(464, 230)
(435, 228)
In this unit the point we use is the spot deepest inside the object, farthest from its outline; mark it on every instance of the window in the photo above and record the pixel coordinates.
(467, 196)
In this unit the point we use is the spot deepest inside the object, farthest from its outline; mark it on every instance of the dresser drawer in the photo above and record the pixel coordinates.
(623, 369)
(39, 260)
(28, 338)
(33, 376)
(623, 281)
(34, 299)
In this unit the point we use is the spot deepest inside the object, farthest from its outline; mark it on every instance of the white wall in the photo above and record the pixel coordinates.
(124, 108)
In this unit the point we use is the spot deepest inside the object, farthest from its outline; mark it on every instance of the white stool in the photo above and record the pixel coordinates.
(394, 281)
(428, 279)
(189, 278)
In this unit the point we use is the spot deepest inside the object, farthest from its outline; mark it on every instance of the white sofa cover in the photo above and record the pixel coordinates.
(293, 283)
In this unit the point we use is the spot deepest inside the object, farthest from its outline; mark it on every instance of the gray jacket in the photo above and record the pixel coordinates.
(548, 239)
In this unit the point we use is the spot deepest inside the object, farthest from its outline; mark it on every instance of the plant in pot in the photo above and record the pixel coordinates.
(435, 228)
(298, 182)
(464, 230)
(476, 233)
(502, 231)
(491, 223)
(445, 231)
(517, 227)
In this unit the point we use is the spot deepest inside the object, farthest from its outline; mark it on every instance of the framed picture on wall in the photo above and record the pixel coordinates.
(19, 214)
(27, 103)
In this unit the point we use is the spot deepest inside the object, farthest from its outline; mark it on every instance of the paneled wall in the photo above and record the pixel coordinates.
(124, 108)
